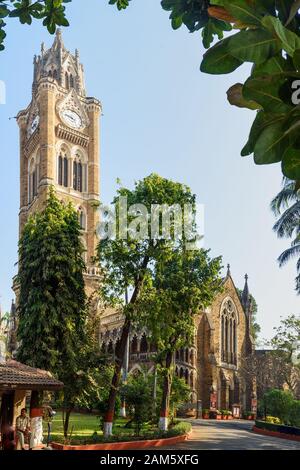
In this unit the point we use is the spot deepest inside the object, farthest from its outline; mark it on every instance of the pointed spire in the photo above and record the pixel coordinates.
(246, 299)
(13, 307)
(228, 270)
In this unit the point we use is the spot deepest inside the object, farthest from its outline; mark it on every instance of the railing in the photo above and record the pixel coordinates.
(142, 357)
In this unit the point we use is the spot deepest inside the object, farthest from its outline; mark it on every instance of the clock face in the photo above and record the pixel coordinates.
(34, 124)
(72, 118)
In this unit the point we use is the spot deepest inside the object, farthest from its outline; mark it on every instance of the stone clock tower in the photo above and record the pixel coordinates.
(59, 144)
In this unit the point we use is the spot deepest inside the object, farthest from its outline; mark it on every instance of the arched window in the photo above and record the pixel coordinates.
(67, 82)
(72, 83)
(79, 174)
(33, 179)
(63, 170)
(228, 333)
(55, 74)
(144, 344)
(186, 376)
(134, 345)
(82, 218)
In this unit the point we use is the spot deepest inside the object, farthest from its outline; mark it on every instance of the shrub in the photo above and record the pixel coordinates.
(273, 419)
(138, 396)
(179, 429)
(278, 403)
(294, 416)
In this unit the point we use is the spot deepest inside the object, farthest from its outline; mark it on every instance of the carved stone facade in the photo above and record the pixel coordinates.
(212, 365)
(60, 145)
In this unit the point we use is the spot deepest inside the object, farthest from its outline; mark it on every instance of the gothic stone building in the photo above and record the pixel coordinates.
(213, 365)
(59, 146)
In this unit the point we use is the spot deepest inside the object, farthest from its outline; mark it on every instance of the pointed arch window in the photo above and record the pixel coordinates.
(67, 81)
(229, 333)
(33, 179)
(79, 174)
(72, 82)
(82, 218)
(63, 170)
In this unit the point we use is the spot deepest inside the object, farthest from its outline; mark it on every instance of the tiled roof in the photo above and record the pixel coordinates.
(14, 375)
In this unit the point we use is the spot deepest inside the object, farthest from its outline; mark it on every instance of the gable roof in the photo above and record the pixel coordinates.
(14, 375)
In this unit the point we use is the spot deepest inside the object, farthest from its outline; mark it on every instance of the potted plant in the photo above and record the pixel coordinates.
(205, 413)
(224, 414)
(229, 415)
(249, 415)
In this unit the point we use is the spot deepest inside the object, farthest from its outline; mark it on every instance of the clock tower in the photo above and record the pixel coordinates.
(59, 145)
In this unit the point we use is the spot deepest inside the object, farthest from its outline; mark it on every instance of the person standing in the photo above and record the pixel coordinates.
(23, 428)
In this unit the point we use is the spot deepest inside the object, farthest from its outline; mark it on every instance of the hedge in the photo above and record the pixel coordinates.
(278, 428)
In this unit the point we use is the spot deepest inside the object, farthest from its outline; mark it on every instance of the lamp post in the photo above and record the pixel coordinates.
(125, 365)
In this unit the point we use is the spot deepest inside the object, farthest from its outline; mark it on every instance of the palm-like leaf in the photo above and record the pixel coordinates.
(287, 195)
(286, 206)
(289, 221)
(288, 254)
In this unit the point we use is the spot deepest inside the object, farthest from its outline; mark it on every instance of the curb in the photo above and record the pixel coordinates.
(280, 435)
(130, 445)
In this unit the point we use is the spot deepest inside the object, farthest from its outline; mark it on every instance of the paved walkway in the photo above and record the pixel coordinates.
(231, 435)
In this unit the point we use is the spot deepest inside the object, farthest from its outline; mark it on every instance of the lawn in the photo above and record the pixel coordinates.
(85, 429)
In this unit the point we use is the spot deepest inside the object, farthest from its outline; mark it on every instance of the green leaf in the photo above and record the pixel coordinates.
(236, 98)
(265, 91)
(253, 46)
(270, 145)
(241, 10)
(290, 42)
(261, 122)
(291, 163)
(293, 12)
(218, 59)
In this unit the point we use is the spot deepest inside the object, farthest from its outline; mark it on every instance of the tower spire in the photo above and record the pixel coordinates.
(246, 299)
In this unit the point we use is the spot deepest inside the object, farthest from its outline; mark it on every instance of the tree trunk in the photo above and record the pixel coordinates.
(67, 421)
(109, 417)
(120, 353)
(165, 404)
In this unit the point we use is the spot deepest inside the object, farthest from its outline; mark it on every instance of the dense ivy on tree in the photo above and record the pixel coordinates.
(53, 331)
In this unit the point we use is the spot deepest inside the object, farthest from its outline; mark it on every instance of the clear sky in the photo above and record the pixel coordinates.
(160, 115)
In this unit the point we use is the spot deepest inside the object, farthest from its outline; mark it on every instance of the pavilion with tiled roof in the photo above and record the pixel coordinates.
(17, 382)
(17, 376)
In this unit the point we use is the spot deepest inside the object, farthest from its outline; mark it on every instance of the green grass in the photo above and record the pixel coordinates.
(85, 429)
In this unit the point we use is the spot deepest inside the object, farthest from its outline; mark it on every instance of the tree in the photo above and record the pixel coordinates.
(286, 206)
(278, 403)
(279, 366)
(268, 37)
(138, 396)
(52, 330)
(52, 12)
(127, 259)
(182, 284)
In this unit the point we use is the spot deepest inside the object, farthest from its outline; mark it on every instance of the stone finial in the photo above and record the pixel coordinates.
(43, 48)
(228, 270)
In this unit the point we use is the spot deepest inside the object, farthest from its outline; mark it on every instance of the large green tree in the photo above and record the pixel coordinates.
(127, 259)
(182, 284)
(53, 331)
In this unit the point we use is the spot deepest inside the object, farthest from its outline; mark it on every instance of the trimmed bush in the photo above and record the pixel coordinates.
(291, 430)
(273, 420)
(294, 415)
